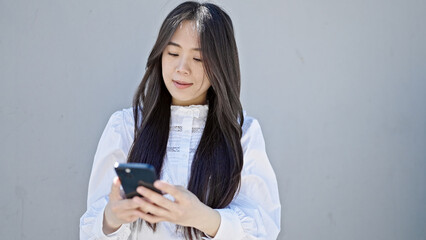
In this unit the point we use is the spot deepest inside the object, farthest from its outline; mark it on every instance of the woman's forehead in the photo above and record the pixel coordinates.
(186, 35)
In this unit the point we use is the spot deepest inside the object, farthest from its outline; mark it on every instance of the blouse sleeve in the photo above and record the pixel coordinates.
(113, 147)
(255, 212)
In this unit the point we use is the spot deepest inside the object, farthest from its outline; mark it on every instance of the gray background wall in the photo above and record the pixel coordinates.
(338, 87)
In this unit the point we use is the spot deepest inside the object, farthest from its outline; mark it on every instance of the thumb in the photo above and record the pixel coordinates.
(115, 190)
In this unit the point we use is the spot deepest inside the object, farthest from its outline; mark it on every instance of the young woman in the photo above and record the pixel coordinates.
(187, 121)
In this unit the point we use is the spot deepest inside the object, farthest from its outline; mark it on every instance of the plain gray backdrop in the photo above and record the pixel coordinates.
(339, 88)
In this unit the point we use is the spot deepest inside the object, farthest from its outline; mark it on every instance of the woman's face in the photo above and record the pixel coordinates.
(183, 70)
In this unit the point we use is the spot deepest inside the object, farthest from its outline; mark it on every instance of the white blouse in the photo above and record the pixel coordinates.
(254, 213)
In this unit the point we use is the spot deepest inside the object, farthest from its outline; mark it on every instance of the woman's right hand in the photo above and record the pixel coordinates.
(119, 210)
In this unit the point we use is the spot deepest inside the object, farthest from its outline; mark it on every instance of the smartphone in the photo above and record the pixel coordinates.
(133, 175)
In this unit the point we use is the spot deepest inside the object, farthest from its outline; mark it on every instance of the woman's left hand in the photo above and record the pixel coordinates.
(186, 210)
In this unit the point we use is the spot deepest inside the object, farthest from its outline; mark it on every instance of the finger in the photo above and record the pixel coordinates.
(130, 215)
(115, 190)
(156, 198)
(168, 188)
(124, 204)
(153, 209)
(150, 218)
(131, 204)
(122, 194)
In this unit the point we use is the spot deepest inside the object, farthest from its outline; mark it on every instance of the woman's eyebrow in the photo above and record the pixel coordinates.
(179, 46)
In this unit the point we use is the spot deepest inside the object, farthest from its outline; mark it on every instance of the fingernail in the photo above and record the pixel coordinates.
(140, 189)
(157, 183)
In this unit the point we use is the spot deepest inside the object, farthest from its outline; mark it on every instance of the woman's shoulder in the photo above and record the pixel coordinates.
(250, 126)
(252, 137)
(124, 115)
(123, 121)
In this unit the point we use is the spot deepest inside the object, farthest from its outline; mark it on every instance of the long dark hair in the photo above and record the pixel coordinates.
(218, 160)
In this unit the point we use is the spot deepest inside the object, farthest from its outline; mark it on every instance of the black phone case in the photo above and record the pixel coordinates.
(133, 175)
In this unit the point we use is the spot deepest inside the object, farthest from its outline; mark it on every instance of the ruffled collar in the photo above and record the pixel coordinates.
(198, 111)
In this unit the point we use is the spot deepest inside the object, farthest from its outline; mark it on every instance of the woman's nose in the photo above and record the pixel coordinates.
(183, 67)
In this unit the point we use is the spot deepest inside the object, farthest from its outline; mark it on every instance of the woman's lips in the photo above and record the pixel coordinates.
(181, 85)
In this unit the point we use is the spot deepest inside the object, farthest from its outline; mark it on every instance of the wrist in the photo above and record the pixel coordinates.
(109, 227)
(209, 221)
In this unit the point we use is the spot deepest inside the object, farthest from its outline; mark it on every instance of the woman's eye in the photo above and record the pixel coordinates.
(173, 54)
(198, 59)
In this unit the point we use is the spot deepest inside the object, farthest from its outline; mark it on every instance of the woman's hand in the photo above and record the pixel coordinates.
(119, 210)
(186, 210)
